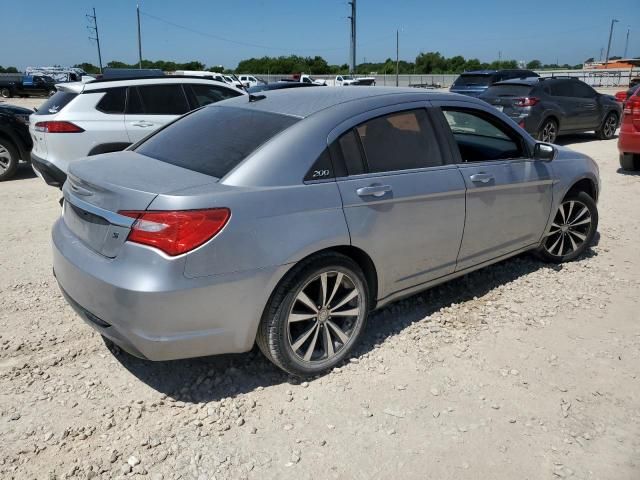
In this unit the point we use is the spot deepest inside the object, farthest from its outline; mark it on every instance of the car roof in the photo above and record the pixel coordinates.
(519, 81)
(79, 87)
(303, 102)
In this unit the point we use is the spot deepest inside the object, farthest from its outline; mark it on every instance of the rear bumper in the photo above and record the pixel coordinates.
(51, 174)
(629, 140)
(152, 310)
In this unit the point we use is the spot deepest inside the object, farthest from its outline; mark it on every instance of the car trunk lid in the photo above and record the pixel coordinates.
(99, 187)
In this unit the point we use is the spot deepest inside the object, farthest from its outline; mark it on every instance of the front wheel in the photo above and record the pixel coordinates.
(608, 128)
(5, 93)
(8, 160)
(315, 316)
(572, 231)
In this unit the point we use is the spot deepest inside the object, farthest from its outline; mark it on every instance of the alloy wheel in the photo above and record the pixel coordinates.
(569, 230)
(610, 125)
(549, 132)
(5, 159)
(324, 316)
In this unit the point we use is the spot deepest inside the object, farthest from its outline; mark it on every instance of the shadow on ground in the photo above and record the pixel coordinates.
(213, 378)
(574, 138)
(22, 173)
(630, 173)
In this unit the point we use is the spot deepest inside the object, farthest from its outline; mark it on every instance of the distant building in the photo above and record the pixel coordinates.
(619, 63)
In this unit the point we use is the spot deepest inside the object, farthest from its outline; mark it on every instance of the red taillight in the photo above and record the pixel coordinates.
(526, 101)
(58, 127)
(621, 96)
(632, 107)
(176, 232)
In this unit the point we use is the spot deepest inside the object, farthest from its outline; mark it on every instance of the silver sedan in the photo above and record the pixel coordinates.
(285, 218)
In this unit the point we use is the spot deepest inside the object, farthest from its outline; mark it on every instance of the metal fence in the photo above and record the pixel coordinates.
(595, 78)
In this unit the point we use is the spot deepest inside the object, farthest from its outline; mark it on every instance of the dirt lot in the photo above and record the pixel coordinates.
(521, 371)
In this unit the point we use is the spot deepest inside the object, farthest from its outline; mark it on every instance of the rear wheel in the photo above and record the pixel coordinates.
(8, 159)
(572, 231)
(5, 93)
(629, 161)
(608, 128)
(315, 316)
(548, 131)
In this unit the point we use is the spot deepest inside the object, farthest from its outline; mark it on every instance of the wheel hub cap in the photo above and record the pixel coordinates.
(569, 230)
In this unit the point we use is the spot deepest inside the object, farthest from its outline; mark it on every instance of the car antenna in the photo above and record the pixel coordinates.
(256, 98)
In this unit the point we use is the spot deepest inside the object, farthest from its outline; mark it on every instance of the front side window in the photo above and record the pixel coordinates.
(163, 100)
(480, 138)
(399, 141)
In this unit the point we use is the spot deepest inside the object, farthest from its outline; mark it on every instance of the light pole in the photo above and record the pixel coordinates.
(139, 38)
(626, 43)
(397, 58)
(606, 60)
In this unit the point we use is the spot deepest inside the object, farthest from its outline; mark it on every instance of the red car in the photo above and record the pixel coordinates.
(629, 139)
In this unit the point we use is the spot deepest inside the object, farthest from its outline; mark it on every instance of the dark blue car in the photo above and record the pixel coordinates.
(475, 82)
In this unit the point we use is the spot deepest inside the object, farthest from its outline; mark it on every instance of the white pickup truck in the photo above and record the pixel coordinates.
(346, 80)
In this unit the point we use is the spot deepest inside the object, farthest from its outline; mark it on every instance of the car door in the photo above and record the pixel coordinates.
(570, 106)
(403, 198)
(589, 111)
(509, 194)
(149, 107)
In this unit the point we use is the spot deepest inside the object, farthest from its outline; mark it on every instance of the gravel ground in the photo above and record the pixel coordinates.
(522, 370)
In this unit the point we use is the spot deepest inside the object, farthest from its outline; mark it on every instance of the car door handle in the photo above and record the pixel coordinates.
(142, 123)
(373, 190)
(481, 178)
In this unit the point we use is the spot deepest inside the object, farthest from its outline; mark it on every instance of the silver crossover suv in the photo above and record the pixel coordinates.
(284, 218)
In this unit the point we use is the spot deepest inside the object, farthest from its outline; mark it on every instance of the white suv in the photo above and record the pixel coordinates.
(84, 119)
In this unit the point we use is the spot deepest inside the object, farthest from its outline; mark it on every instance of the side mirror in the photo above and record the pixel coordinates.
(544, 151)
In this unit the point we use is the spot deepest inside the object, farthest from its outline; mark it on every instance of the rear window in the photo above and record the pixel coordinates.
(508, 91)
(213, 140)
(57, 102)
(469, 80)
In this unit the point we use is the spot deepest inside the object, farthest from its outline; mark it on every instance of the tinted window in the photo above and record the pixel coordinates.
(508, 91)
(470, 80)
(163, 100)
(399, 141)
(206, 94)
(214, 140)
(349, 148)
(561, 88)
(480, 139)
(582, 90)
(113, 100)
(57, 102)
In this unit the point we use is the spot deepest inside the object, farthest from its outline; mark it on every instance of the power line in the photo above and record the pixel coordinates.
(94, 22)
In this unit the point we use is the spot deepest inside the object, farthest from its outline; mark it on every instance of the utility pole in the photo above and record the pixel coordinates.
(606, 60)
(601, 53)
(94, 27)
(397, 58)
(626, 43)
(139, 38)
(353, 36)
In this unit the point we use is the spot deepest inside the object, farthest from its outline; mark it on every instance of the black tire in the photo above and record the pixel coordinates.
(274, 336)
(5, 93)
(553, 248)
(608, 128)
(629, 161)
(548, 132)
(9, 159)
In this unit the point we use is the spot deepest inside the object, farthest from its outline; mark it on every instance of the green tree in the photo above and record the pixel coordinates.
(534, 65)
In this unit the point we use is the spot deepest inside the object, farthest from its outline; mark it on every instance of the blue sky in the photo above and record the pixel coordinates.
(54, 32)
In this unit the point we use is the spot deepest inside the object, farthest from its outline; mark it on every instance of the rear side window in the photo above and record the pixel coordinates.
(206, 94)
(113, 101)
(215, 139)
(561, 88)
(399, 141)
(57, 102)
(161, 100)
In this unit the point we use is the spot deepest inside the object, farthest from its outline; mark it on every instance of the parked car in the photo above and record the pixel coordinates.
(85, 119)
(474, 83)
(233, 81)
(623, 95)
(345, 80)
(26, 85)
(279, 86)
(210, 75)
(629, 139)
(285, 219)
(15, 141)
(249, 80)
(303, 78)
(548, 107)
